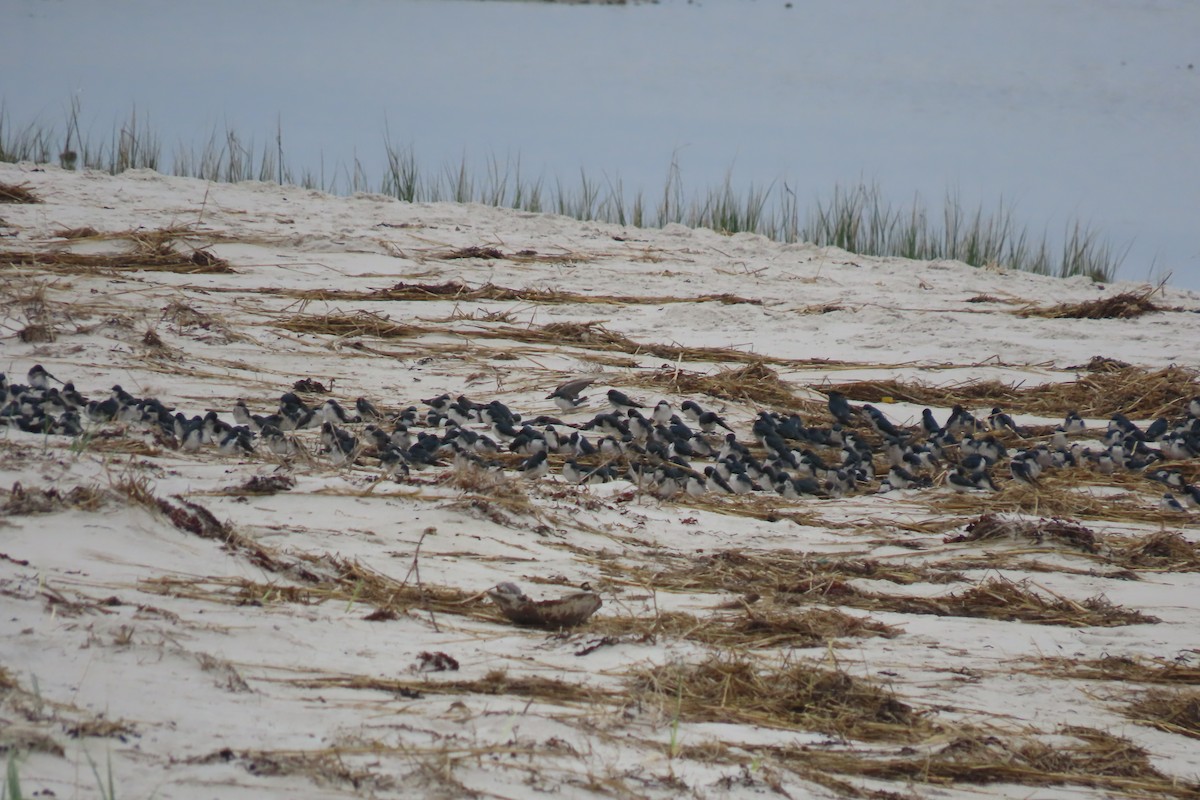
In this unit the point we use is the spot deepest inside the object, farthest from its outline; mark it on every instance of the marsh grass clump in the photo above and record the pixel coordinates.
(755, 383)
(767, 572)
(1002, 599)
(792, 578)
(1074, 756)
(993, 526)
(752, 627)
(804, 695)
(1168, 551)
(1170, 711)
(1126, 305)
(17, 193)
(461, 292)
(147, 252)
(494, 682)
(1122, 668)
(19, 501)
(1138, 393)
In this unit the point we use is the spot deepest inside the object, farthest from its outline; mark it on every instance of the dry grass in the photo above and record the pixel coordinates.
(1126, 305)
(19, 501)
(1135, 392)
(755, 384)
(732, 687)
(17, 193)
(1166, 551)
(791, 578)
(495, 682)
(1062, 494)
(1078, 756)
(151, 251)
(1010, 601)
(591, 335)
(768, 572)
(1122, 668)
(1056, 530)
(461, 292)
(752, 628)
(323, 767)
(1173, 712)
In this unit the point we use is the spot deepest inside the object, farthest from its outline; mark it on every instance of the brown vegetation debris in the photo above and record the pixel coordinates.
(475, 251)
(752, 628)
(1133, 391)
(1055, 529)
(1170, 711)
(84, 232)
(1125, 305)
(360, 323)
(1002, 599)
(754, 383)
(17, 193)
(1102, 364)
(101, 727)
(733, 687)
(149, 252)
(1164, 550)
(36, 333)
(1122, 668)
(495, 682)
(1078, 756)
(458, 291)
(768, 572)
(310, 386)
(19, 501)
(264, 485)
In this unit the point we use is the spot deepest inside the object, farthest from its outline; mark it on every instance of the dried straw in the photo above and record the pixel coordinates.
(1125, 305)
(771, 627)
(1173, 712)
(1056, 529)
(17, 193)
(755, 384)
(1122, 668)
(149, 253)
(1133, 391)
(461, 292)
(732, 687)
(1092, 758)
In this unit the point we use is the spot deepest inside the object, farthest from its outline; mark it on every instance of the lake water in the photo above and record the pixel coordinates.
(1069, 109)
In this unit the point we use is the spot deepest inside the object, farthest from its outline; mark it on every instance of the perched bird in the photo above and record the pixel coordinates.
(959, 481)
(999, 421)
(1024, 471)
(710, 420)
(882, 425)
(691, 409)
(622, 402)
(367, 411)
(839, 407)
(536, 466)
(1169, 503)
(40, 379)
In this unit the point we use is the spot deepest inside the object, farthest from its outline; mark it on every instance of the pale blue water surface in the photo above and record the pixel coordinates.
(1070, 109)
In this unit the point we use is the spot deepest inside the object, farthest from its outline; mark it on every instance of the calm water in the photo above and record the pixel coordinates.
(1068, 108)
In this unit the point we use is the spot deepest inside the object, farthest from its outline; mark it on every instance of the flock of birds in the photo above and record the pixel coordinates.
(659, 449)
